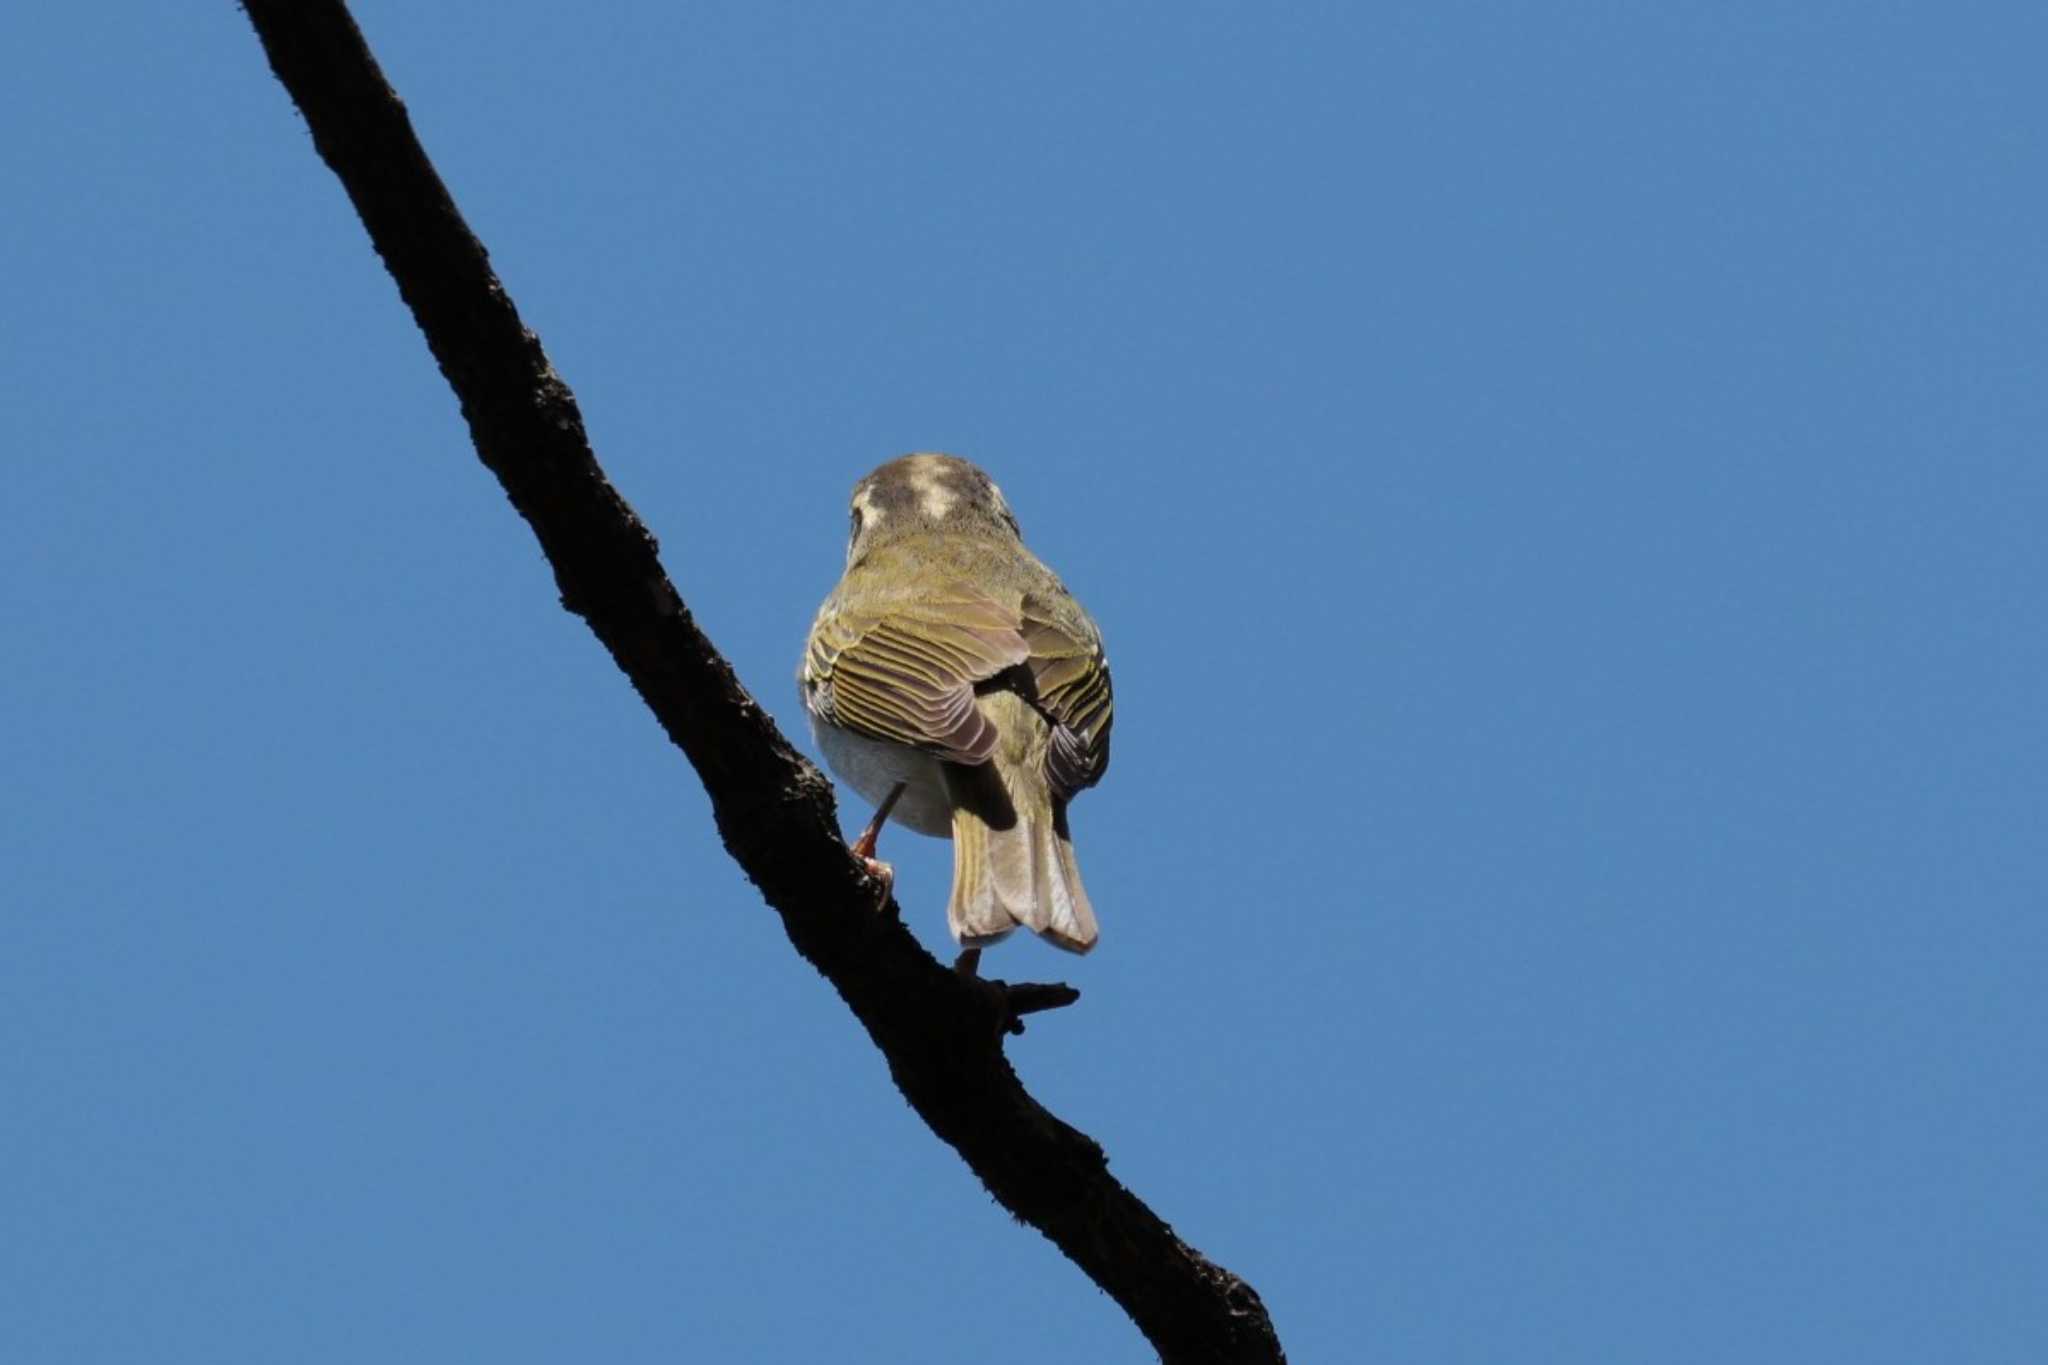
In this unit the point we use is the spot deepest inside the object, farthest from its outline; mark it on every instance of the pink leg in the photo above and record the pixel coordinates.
(863, 848)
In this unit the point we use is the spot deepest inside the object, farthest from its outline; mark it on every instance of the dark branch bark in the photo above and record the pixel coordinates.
(941, 1032)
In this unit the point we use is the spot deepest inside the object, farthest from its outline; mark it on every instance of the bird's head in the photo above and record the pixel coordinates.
(927, 492)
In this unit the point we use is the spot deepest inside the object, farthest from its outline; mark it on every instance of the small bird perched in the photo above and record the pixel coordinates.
(952, 680)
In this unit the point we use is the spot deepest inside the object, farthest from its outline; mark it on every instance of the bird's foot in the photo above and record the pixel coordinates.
(882, 873)
(863, 848)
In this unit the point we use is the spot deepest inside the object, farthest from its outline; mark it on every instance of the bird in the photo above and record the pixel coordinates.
(953, 681)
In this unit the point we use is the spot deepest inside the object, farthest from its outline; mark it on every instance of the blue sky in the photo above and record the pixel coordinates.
(1563, 488)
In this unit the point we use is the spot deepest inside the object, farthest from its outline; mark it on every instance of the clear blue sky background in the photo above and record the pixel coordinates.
(1564, 489)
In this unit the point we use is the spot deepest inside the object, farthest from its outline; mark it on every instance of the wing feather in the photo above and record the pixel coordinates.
(907, 674)
(1071, 675)
(909, 677)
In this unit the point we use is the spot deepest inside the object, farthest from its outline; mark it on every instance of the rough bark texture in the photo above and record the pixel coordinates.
(941, 1033)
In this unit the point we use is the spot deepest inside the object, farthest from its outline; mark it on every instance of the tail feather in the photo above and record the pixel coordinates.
(974, 913)
(1025, 874)
(1012, 863)
(1071, 923)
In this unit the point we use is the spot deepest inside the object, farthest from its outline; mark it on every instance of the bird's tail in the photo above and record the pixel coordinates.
(1013, 864)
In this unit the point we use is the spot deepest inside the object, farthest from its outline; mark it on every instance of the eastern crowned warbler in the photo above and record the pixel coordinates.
(952, 680)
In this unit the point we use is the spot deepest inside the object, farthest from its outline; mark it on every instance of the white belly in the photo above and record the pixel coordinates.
(873, 769)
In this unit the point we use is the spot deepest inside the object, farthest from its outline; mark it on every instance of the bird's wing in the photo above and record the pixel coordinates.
(907, 675)
(1071, 677)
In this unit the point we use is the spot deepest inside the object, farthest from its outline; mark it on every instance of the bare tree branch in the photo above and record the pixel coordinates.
(940, 1031)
